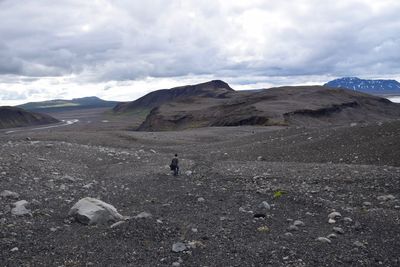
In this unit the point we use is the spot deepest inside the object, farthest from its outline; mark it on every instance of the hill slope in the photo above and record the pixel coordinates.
(380, 87)
(11, 117)
(63, 105)
(212, 89)
(301, 105)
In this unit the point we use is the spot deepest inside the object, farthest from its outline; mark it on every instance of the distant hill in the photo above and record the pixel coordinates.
(63, 105)
(377, 87)
(12, 117)
(298, 105)
(211, 89)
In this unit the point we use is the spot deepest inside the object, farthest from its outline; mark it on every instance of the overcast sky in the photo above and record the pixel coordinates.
(122, 49)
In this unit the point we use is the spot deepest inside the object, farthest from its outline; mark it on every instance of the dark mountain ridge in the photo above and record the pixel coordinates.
(12, 117)
(297, 105)
(211, 89)
(378, 87)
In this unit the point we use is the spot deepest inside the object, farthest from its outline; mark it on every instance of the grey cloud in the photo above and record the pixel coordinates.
(128, 40)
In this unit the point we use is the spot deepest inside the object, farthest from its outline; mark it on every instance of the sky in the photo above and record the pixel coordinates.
(123, 49)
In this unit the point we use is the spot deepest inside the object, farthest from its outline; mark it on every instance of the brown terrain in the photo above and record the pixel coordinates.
(249, 195)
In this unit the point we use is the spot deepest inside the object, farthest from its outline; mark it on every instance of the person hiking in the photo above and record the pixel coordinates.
(174, 165)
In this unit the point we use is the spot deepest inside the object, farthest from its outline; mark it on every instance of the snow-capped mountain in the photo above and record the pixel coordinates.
(381, 87)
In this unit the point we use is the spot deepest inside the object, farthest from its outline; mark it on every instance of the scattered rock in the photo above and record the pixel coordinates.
(293, 228)
(94, 211)
(20, 209)
(367, 204)
(331, 221)
(332, 236)
(200, 199)
(9, 194)
(68, 178)
(324, 240)
(358, 244)
(338, 230)
(87, 186)
(263, 229)
(260, 158)
(287, 234)
(347, 219)
(264, 205)
(179, 247)
(299, 223)
(386, 197)
(143, 215)
(117, 224)
(334, 215)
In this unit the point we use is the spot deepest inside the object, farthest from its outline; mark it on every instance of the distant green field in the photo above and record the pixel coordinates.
(60, 105)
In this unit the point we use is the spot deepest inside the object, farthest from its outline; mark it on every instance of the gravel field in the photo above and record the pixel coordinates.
(245, 196)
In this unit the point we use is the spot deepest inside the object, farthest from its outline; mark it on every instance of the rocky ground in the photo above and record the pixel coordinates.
(246, 196)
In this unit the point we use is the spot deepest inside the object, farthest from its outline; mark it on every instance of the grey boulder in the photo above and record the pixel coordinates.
(94, 211)
(9, 194)
(20, 209)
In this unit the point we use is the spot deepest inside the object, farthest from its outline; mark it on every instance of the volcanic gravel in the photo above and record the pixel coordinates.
(213, 206)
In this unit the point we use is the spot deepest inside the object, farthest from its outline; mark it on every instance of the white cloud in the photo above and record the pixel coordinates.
(89, 45)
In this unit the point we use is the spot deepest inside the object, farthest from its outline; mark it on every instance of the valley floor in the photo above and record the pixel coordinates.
(304, 174)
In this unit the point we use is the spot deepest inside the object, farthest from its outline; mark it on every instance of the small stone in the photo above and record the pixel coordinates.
(358, 244)
(263, 229)
(201, 199)
(288, 234)
(347, 219)
(15, 249)
(386, 198)
(338, 230)
(188, 173)
(9, 194)
(332, 236)
(179, 247)
(20, 209)
(143, 215)
(117, 224)
(334, 215)
(324, 240)
(264, 205)
(331, 221)
(299, 223)
(87, 186)
(367, 204)
(293, 228)
(176, 264)
(195, 230)
(260, 158)
(53, 229)
(68, 178)
(196, 244)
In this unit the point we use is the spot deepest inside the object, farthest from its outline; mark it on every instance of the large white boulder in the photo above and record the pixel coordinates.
(94, 211)
(20, 209)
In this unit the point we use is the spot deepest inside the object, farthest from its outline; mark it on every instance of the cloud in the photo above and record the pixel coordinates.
(97, 42)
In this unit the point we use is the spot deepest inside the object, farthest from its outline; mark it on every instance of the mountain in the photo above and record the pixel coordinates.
(63, 105)
(298, 105)
(378, 87)
(211, 89)
(12, 117)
